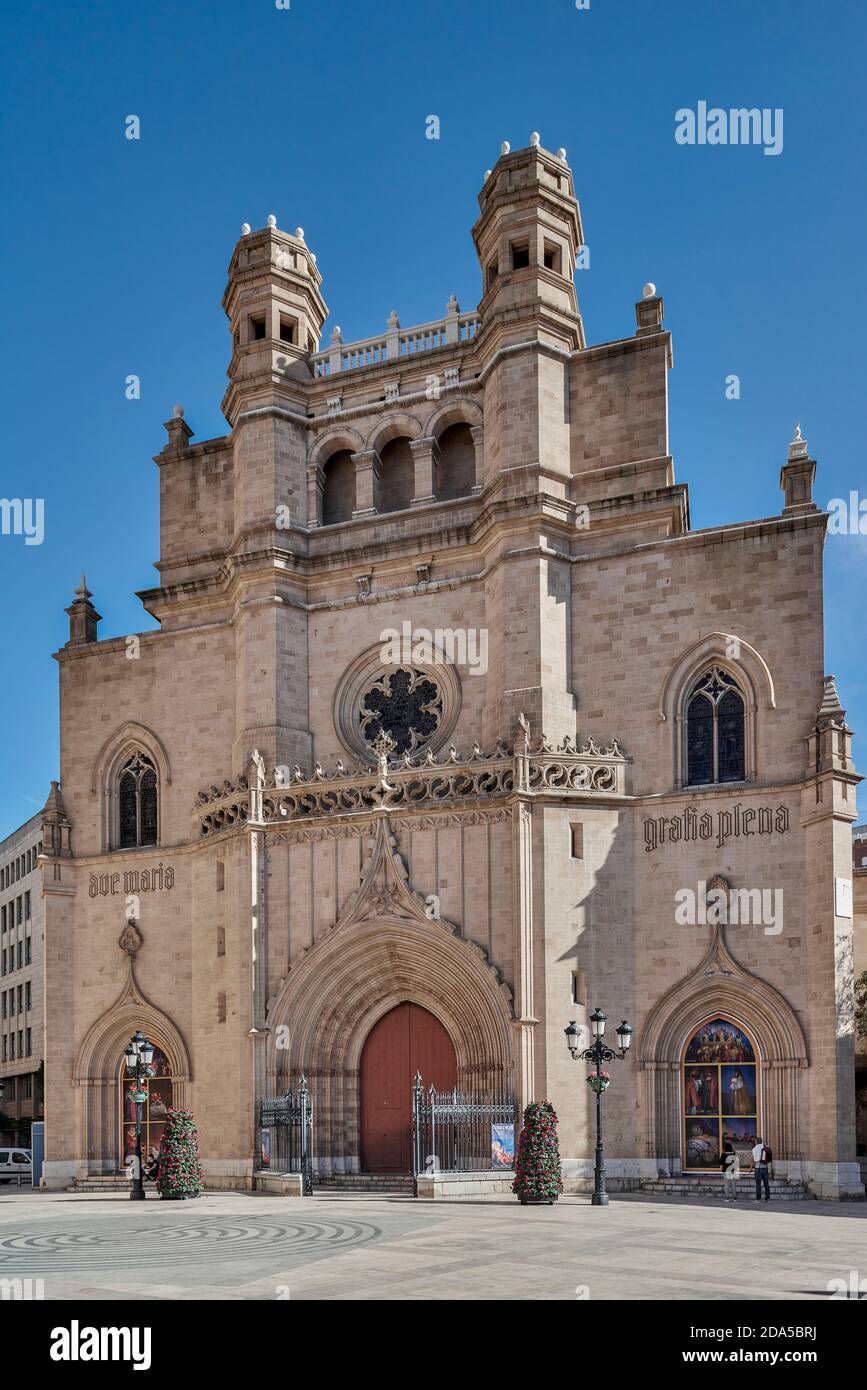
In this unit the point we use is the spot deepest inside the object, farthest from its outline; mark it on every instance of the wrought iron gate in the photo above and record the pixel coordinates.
(286, 1134)
(453, 1132)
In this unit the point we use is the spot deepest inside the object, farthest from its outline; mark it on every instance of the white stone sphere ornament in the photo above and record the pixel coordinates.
(505, 147)
(649, 290)
(272, 220)
(535, 137)
(245, 229)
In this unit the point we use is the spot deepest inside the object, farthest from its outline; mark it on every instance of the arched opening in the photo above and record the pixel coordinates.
(720, 1089)
(456, 472)
(160, 1090)
(396, 476)
(406, 1040)
(715, 730)
(137, 802)
(338, 495)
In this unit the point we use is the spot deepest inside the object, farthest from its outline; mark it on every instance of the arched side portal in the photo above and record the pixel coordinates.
(99, 1076)
(350, 980)
(721, 989)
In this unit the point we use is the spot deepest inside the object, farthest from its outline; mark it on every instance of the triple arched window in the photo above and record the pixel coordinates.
(715, 730)
(137, 802)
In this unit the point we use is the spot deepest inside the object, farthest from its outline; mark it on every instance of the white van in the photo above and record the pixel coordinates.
(15, 1162)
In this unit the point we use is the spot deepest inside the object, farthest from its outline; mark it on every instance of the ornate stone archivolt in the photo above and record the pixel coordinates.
(721, 986)
(387, 947)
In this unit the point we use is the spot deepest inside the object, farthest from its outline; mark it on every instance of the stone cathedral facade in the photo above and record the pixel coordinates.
(453, 729)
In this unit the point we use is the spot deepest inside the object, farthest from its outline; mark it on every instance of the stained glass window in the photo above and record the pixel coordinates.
(154, 1111)
(404, 703)
(137, 803)
(720, 1096)
(715, 730)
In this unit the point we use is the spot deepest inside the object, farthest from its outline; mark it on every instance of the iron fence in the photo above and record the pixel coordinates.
(286, 1135)
(453, 1132)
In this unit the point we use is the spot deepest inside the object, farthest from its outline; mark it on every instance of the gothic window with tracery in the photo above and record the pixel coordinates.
(137, 802)
(715, 730)
(403, 703)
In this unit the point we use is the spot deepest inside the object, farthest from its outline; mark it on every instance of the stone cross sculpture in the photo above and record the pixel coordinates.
(382, 745)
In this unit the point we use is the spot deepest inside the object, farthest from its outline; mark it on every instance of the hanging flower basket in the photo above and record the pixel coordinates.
(599, 1083)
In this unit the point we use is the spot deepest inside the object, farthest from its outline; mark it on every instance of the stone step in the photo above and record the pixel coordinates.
(781, 1188)
(366, 1182)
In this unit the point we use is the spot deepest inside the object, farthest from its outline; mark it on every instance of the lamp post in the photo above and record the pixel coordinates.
(597, 1054)
(139, 1056)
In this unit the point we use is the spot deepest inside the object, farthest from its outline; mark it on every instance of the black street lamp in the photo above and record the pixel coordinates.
(599, 1082)
(139, 1056)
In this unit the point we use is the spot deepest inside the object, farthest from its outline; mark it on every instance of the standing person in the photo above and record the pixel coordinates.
(762, 1156)
(731, 1171)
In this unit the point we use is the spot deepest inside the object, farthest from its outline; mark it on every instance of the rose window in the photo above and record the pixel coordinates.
(404, 703)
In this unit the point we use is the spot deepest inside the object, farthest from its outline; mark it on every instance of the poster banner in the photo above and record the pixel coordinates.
(503, 1146)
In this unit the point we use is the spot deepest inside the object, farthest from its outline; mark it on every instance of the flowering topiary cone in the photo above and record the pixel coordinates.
(180, 1172)
(537, 1169)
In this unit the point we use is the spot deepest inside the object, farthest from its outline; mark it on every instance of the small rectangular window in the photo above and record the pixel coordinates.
(551, 256)
(520, 255)
(221, 1007)
(221, 875)
(491, 274)
(579, 987)
(577, 829)
(287, 330)
(257, 327)
(221, 941)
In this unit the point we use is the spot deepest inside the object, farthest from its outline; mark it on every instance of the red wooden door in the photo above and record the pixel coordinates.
(405, 1040)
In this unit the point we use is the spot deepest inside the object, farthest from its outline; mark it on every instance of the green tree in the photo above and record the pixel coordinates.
(861, 1005)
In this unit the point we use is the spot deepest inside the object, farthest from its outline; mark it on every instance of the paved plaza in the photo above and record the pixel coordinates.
(232, 1245)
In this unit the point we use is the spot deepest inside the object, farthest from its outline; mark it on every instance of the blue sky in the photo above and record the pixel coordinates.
(114, 252)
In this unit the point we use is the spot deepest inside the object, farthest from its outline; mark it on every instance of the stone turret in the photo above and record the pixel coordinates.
(527, 239)
(275, 311)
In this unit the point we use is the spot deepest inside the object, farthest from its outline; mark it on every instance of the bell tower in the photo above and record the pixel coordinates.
(275, 311)
(527, 239)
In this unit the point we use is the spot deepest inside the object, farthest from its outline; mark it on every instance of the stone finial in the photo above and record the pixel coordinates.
(83, 617)
(830, 708)
(299, 232)
(798, 445)
(245, 229)
(535, 138)
(797, 476)
(56, 826)
(336, 334)
(505, 147)
(393, 320)
(561, 153)
(453, 307)
(649, 311)
(486, 175)
(178, 431)
(272, 220)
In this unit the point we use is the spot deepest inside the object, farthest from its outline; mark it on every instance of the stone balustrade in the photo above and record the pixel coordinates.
(397, 343)
(290, 795)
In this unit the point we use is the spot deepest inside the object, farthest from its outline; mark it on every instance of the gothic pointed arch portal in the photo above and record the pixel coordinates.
(100, 1117)
(721, 994)
(385, 951)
